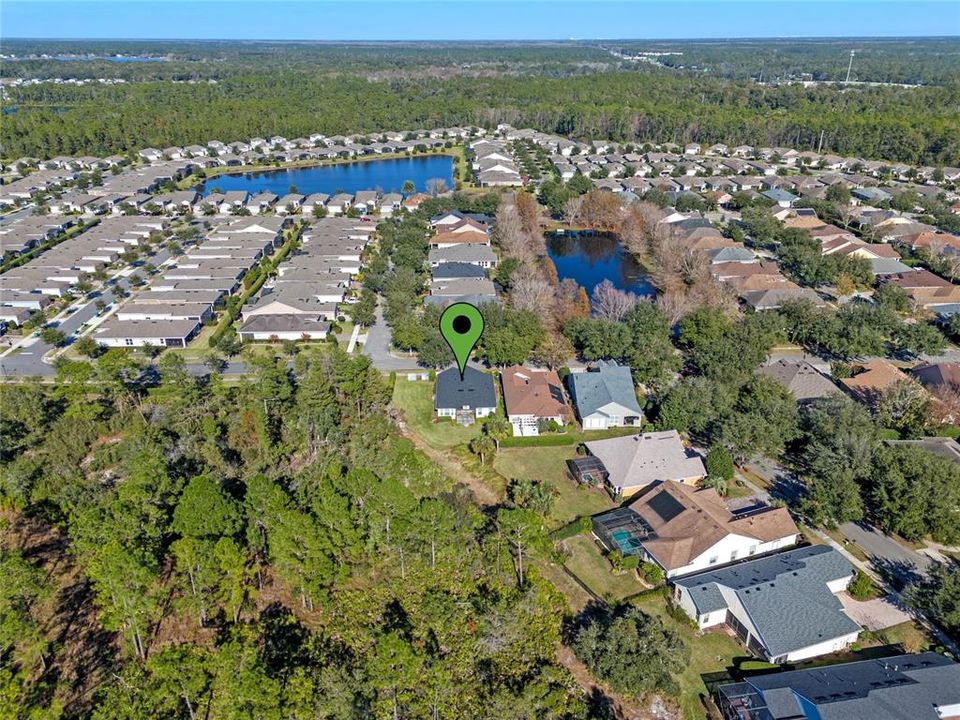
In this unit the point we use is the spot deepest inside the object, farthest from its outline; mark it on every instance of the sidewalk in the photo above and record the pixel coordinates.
(867, 569)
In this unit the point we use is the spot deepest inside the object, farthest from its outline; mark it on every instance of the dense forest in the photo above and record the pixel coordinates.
(926, 61)
(183, 548)
(333, 89)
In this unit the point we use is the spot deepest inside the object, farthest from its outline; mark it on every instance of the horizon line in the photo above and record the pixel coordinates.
(488, 40)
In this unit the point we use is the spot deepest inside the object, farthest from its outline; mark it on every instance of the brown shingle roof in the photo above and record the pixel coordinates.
(702, 522)
(873, 378)
(807, 222)
(460, 238)
(528, 392)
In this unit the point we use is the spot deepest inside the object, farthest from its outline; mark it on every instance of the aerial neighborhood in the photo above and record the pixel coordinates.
(702, 428)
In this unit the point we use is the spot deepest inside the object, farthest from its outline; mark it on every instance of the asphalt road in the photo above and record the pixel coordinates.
(885, 554)
(377, 348)
(28, 361)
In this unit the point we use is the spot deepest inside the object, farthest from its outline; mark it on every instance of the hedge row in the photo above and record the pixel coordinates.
(580, 526)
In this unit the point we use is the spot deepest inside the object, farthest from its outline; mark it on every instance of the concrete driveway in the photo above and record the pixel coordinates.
(876, 614)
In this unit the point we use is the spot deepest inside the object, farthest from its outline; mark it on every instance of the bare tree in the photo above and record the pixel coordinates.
(571, 209)
(511, 236)
(531, 291)
(437, 186)
(610, 303)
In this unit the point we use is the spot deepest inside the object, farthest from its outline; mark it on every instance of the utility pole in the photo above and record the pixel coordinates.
(820, 146)
(850, 66)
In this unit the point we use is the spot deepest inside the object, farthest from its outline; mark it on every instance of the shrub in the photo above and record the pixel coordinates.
(580, 526)
(653, 574)
(862, 587)
(719, 463)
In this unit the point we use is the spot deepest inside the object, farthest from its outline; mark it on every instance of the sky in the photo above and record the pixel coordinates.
(473, 20)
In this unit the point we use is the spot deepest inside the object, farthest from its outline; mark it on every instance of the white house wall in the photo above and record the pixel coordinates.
(730, 549)
(825, 648)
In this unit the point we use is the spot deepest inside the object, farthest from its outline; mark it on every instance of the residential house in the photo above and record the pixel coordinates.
(532, 397)
(782, 198)
(339, 204)
(480, 255)
(464, 399)
(284, 327)
(604, 397)
(872, 379)
(115, 332)
(632, 462)
(450, 239)
(685, 530)
(774, 297)
(937, 377)
(783, 607)
(800, 379)
(924, 686)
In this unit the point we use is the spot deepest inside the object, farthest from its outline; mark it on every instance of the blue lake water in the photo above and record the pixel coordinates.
(591, 260)
(385, 175)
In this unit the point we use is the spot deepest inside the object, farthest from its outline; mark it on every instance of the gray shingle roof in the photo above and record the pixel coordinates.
(785, 595)
(903, 687)
(604, 383)
(474, 391)
(803, 380)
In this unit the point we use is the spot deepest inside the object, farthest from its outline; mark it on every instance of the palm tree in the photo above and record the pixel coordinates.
(498, 428)
(481, 445)
(717, 483)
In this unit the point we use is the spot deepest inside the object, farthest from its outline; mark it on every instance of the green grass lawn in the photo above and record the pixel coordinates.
(735, 490)
(550, 464)
(415, 401)
(910, 635)
(713, 652)
(587, 562)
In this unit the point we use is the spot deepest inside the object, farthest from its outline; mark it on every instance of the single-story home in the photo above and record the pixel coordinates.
(284, 327)
(604, 397)
(464, 399)
(782, 607)
(532, 396)
(871, 379)
(901, 687)
(685, 530)
(633, 462)
(142, 333)
(800, 379)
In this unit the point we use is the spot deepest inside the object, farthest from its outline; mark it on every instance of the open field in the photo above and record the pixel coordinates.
(415, 401)
(549, 464)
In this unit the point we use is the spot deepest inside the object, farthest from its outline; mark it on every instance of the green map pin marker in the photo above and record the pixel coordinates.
(461, 326)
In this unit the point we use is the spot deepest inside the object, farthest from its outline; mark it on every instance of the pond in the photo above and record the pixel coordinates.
(385, 175)
(591, 259)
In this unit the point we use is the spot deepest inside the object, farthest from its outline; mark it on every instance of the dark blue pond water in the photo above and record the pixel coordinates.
(591, 260)
(384, 175)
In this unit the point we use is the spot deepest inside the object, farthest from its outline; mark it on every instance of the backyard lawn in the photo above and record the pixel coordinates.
(550, 464)
(710, 653)
(415, 400)
(588, 563)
